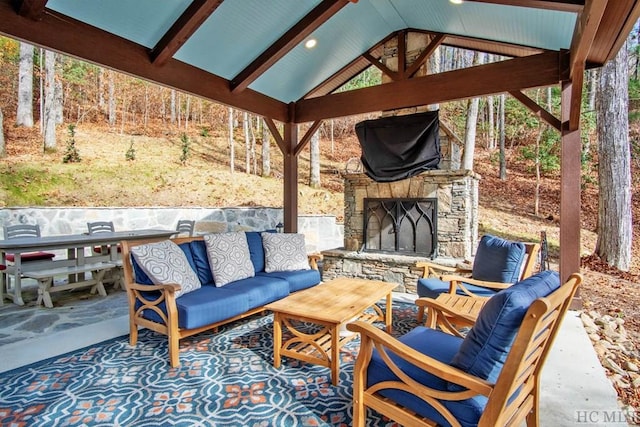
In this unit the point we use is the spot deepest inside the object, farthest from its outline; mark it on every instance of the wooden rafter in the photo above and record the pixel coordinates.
(31, 9)
(402, 53)
(537, 109)
(190, 20)
(560, 5)
(275, 133)
(307, 137)
(386, 70)
(424, 55)
(515, 74)
(319, 15)
(67, 35)
(583, 36)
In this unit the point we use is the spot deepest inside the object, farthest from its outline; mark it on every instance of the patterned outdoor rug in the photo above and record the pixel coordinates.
(225, 379)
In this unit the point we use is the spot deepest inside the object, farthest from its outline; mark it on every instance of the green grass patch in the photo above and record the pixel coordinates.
(30, 186)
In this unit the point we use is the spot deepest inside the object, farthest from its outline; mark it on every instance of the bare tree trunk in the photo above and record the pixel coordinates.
(173, 107)
(253, 146)
(247, 142)
(615, 228)
(314, 159)
(41, 66)
(491, 145)
(24, 115)
(266, 151)
(101, 103)
(49, 101)
(471, 124)
(3, 146)
(112, 98)
(232, 155)
(59, 102)
(187, 113)
(502, 137)
(592, 89)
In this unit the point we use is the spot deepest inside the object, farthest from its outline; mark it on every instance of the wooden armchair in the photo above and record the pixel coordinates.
(498, 264)
(490, 378)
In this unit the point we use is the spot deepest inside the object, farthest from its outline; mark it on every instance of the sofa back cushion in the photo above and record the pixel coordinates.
(486, 346)
(256, 250)
(229, 257)
(201, 261)
(165, 263)
(498, 260)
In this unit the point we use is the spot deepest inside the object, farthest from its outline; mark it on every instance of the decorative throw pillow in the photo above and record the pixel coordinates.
(229, 257)
(165, 263)
(284, 252)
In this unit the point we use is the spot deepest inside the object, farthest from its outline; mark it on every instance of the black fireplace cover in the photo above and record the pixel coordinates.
(399, 147)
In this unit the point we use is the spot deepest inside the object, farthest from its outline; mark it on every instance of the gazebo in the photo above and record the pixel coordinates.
(251, 55)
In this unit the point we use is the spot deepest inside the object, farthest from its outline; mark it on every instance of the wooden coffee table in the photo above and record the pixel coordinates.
(330, 305)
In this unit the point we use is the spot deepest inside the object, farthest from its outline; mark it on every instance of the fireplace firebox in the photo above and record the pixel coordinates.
(401, 225)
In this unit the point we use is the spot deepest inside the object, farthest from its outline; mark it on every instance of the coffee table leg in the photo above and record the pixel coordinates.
(335, 354)
(388, 319)
(277, 339)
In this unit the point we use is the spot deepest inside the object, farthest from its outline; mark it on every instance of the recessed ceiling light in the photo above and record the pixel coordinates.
(456, 1)
(311, 43)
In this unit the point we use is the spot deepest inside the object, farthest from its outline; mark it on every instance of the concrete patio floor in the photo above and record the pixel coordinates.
(575, 389)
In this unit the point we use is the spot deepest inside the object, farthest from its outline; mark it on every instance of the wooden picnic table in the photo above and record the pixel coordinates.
(74, 244)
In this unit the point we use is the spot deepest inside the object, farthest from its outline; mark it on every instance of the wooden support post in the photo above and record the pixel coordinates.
(290, 178)
(570, 189)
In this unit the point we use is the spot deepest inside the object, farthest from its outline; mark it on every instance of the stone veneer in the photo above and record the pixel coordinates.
(457, 195)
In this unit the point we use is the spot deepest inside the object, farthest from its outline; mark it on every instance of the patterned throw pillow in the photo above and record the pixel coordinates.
(229, 257)
(284, 252)
(165, 263)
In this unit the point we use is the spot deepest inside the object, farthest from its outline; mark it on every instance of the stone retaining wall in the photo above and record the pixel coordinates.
(321, 231)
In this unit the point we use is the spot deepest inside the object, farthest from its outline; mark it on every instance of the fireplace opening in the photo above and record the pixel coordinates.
(405, 226)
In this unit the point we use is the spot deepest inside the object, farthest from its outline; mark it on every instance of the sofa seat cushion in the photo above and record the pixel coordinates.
(203, 307)
(440, 346)
(486, 346)
(297, 280)
(432, 287)
(260, 290)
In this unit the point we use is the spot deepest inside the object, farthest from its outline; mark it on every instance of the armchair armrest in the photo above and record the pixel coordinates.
(457, 283)
(451, 312)
(433, 269)
(372, 337)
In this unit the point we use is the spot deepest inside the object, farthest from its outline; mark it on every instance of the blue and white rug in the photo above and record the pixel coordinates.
(226, 378)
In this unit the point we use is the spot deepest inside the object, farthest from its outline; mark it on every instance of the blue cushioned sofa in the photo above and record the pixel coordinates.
(155, 306)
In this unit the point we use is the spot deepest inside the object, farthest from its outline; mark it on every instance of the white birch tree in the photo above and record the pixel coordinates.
(314, 160)
(24, 115)
(266, 151)
(50, 114)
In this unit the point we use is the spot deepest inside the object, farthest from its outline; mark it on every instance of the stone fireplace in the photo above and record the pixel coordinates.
(455, 196)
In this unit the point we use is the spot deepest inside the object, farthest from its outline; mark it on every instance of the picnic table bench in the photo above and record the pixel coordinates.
(46, 285)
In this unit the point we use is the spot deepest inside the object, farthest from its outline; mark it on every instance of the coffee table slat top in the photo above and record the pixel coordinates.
(330, 301)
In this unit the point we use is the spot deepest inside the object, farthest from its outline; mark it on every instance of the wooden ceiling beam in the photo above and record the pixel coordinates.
(585, 33)
(516, 74)
(188, 23)
(307, 25)
(307, 137)
(385, 70)
(558, 5)
(31, 9)
(69, 36)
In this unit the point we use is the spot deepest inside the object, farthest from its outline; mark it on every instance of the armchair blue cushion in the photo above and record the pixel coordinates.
(497, 260)
(485, 348)
(481, 353)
